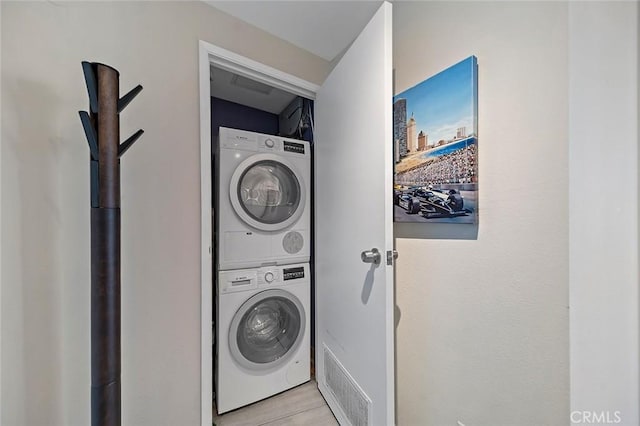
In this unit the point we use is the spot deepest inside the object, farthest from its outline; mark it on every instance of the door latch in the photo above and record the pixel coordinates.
(391, 256)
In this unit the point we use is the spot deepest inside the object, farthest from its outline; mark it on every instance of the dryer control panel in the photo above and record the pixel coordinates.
(259, 142)
(296, 147)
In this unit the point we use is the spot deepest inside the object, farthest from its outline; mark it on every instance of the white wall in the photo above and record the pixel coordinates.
(45, 202)
(603, 205)
(483, 333)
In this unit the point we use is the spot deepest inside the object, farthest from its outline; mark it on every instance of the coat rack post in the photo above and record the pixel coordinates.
(102, 129)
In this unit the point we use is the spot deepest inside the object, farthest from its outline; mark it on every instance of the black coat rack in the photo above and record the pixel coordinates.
(102, 129)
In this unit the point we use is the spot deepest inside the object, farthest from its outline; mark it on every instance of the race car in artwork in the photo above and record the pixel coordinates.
(407, 201)
(430, 202)
(440, 202)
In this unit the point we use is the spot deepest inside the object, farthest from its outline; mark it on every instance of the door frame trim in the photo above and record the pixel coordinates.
(212, 55)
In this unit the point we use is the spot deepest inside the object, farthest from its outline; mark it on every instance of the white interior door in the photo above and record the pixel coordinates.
(353, 213)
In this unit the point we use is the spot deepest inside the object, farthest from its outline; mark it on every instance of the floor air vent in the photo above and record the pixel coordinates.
(352, 400)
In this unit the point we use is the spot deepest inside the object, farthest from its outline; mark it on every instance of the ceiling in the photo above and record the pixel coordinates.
(232, 87)
(324, 28)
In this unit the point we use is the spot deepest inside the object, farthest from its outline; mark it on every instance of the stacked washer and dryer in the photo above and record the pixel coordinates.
(263, 233)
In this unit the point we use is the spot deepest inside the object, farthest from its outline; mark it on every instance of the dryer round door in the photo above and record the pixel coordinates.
(267, 330)
(267, 192)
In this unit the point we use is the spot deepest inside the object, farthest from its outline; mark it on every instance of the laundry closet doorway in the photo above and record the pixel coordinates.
(353, 238)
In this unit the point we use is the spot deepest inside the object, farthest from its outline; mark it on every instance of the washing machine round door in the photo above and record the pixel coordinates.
(267, 330)
(267, 192)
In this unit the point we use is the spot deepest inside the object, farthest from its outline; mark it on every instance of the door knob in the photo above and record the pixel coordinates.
(371, 256)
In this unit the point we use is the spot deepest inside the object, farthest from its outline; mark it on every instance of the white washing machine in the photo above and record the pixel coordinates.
(263, 191)
(262, 331)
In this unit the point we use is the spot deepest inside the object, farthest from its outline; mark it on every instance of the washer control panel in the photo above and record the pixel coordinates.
(269, 276)
(265, 276)
(233, 281)
(293, 273)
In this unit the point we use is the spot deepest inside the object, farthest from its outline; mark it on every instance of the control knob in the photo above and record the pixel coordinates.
(268, 277)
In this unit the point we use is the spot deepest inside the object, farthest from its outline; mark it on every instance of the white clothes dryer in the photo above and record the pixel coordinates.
(262, 333)
(263, 200)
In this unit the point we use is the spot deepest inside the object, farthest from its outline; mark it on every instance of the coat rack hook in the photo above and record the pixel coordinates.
(92, 85)
(124, 101)
(124, 146)
(90, 133)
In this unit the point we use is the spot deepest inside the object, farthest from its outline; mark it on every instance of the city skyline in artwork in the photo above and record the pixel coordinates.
(435, 147)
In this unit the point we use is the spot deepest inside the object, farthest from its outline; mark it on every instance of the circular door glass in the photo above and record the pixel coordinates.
(269, 192)
(269, 329)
